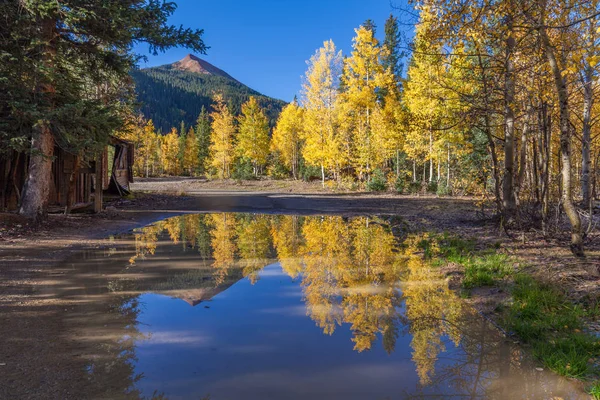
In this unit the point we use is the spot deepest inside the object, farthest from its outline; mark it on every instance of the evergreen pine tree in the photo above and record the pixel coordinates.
(203, 139)
(190, 153)
(369, 25)
(65, 52)
(180, 154)
(393, 56)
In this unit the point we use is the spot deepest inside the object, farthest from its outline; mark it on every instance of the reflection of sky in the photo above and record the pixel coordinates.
(256, 342)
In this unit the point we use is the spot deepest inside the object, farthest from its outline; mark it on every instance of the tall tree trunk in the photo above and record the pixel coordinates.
(565, 146)
(488, 132)
(431, 155)
(545, 163)
(523, 153)
(34, 203)
(323, 175)
(448, 170)
(36, 194)
(508, 201)
(588, 103)
(295, 161)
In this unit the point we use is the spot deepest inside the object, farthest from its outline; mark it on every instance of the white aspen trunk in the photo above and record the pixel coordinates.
(508, 201)
(448, 169)
(430, 155)
(565, 145)
(588, 103)
(414, 171)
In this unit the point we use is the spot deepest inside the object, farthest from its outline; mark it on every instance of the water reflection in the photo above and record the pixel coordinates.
(354, 279)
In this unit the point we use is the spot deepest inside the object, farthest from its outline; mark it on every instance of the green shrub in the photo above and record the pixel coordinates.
(278, 171)
(347, 182)
(414, 188)
(432, 187)
(442, 188)
(378, 182)
(399, 184)
(309, 172)
(242, 169)
(276, 168)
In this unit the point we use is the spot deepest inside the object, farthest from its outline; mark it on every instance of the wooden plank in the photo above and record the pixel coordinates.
(87, 188)
(100, 173)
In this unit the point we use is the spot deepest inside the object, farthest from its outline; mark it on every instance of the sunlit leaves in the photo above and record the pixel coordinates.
(287, 136)
(320, 91)
(253, 137)
(221, 139)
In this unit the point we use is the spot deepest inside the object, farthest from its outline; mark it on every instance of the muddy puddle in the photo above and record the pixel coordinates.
(250, 306)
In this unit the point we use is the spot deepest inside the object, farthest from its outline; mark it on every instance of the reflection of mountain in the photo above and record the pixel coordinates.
(174, 269)
(195, 286)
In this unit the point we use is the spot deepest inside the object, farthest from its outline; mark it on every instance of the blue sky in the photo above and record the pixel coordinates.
(265, 43)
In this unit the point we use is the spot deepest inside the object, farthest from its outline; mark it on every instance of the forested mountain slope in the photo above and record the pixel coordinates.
(176, 92)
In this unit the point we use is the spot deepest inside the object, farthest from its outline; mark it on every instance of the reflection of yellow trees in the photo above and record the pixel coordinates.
(326, 247)
(222, 243)
(254, 243)
(350, 271)
(173, 227)
(370, 304)
(287, 240)
(191, 227)
(192, 230)
(432, 309)
(350, 276)
(145, 241)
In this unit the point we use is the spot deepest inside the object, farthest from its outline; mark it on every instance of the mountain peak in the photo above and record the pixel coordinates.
(191, 63)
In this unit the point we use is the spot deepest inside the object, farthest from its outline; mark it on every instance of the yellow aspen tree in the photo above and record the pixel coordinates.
(387, 123)
(253, 244)
(170, 148)
(287, 136)
(190, 153)
(326, 255)
(253, 137)
(588, 62)
(287, 242)
(133, 131)
(424, 98)
(560, 72)
(364, 78)
(221, 138)
(320, 91)
(148, 150)
(223, 244)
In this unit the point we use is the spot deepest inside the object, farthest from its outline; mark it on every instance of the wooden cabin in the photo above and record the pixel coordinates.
(74, 179)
